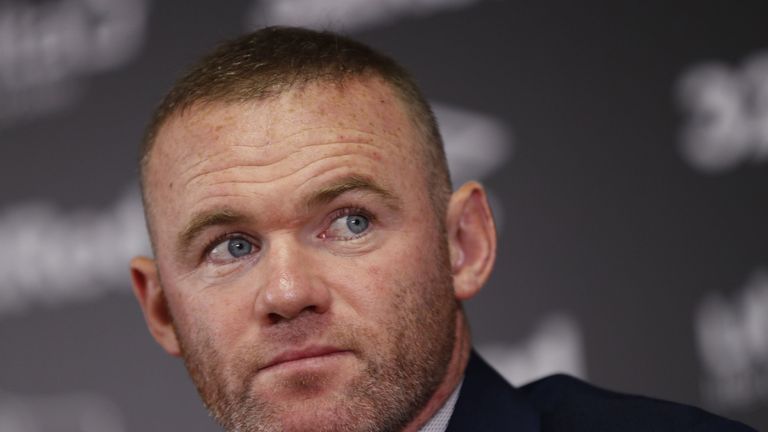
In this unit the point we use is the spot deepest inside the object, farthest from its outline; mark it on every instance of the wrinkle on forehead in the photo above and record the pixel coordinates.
(249, 183)
(291, 152)
(248, 174)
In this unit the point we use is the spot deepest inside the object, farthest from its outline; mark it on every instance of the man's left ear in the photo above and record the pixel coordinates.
(471, 239)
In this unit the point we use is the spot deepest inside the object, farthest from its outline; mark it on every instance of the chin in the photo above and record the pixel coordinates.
(326, 412)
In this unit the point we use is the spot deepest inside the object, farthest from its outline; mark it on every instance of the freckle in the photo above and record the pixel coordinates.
(170, 184)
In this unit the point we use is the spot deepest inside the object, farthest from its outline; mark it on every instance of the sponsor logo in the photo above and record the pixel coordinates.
(343, 14)
(476, 145)
(555, 346)
(72, 412)
(727, 114)
(47, 46)
(733, 345)
(52, 257)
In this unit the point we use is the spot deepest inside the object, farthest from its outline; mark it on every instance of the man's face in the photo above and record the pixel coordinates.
(304, 268)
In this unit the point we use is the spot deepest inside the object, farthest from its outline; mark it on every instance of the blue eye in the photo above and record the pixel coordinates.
(239, 247)
(231, 249)
(348, 227)
(357, 223)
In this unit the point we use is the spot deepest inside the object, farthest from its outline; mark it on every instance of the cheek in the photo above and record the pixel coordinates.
(362, 284)
(212, 314)
(374, 271)
(372, 286)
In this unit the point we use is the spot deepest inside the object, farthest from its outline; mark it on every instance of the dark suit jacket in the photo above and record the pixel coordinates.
(562, 403)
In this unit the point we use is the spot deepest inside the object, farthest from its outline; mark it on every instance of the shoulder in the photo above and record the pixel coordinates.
(567, 403)
(563, 403)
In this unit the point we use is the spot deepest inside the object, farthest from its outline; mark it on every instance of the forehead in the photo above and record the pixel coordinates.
(215, 149)
(352, 109)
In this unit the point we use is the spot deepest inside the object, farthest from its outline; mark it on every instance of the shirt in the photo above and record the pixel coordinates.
(439, 421)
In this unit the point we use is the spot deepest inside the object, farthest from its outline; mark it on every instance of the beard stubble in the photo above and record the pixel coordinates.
(401, 372)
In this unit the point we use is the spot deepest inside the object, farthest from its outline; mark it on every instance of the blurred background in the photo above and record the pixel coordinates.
(625, 146)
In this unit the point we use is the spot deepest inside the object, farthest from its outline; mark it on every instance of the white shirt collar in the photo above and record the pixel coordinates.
(439, 421)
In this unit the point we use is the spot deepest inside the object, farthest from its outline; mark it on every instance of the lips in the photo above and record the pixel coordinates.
(303, 354)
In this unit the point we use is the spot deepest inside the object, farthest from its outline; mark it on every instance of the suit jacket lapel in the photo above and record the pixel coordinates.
(487, 402)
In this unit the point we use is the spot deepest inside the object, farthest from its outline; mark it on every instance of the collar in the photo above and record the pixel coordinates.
(439, 421)
(487, 402)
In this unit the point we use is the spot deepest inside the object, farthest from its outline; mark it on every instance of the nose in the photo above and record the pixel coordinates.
(291, 286)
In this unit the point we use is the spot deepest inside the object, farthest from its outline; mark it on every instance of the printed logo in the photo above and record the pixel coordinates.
(556, 346)
(71, 412)
(53, 257)
(343, 14)
(732, 336)
(46, 46)
(727, 114)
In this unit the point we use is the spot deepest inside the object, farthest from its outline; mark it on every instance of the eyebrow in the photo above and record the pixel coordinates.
(203, 220)
(226, 216)
(350, 183)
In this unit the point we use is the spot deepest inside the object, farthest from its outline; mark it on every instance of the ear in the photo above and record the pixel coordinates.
(471, 239)
(149, 293)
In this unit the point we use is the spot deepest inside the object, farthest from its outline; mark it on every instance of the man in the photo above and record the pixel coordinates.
(310, 259)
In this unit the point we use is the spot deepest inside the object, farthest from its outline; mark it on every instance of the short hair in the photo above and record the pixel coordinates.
(273, 60)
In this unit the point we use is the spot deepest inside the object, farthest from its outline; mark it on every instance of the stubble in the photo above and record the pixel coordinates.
(400, 373)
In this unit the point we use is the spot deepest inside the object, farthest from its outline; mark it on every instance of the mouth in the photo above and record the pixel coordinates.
(305, 356)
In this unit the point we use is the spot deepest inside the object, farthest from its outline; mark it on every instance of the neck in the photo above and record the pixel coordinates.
(453, 375)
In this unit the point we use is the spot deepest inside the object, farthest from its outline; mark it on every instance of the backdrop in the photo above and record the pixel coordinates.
(625, 146)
